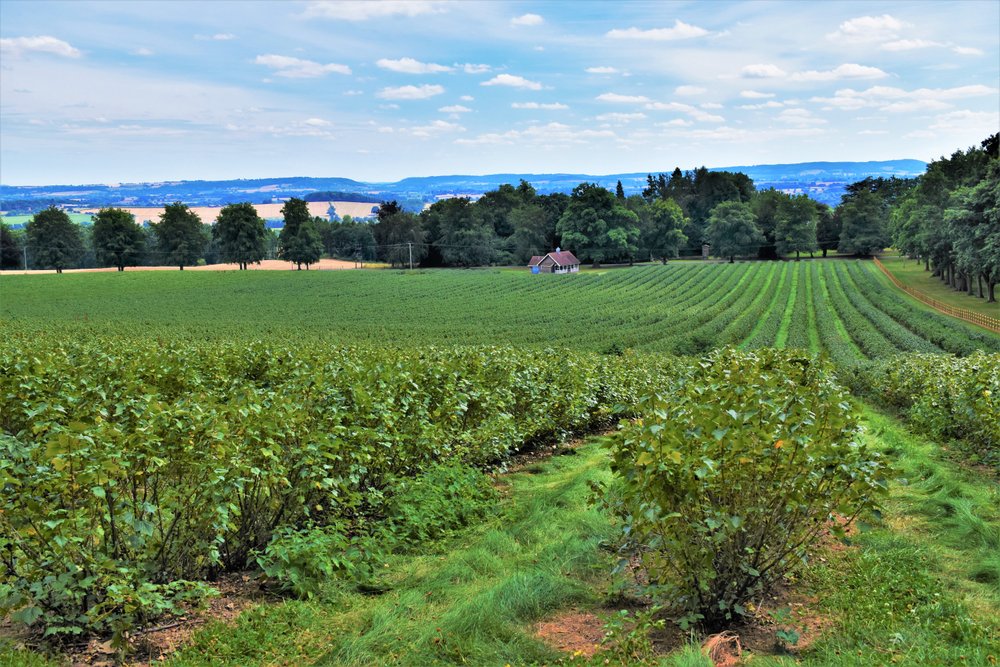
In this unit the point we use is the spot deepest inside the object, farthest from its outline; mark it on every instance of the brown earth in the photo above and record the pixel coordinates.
(266, 265)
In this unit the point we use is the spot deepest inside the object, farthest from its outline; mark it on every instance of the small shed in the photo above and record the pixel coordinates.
(560, 261)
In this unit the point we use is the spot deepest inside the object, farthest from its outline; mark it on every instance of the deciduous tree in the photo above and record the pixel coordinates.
(733, 231)
(241, 234)
(54, 241)
(118, 240)
(300, 241)
(179, 235)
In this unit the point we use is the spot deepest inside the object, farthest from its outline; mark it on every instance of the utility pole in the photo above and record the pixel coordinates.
(25, 254)
(410, 245)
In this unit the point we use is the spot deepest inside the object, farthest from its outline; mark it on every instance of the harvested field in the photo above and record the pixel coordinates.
(267, 211)
(266, 265)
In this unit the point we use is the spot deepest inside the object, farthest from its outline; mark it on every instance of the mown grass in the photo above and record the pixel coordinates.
(920, 587)
(911, 272)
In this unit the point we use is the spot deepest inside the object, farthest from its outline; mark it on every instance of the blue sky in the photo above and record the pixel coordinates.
(103, 92)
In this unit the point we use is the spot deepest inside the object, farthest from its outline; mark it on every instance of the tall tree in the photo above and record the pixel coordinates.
(400, 239)
(300, 241)
(619, 190)
(240, 234)
(796, 226)
(598, 227)
(827, 228)
(11, 250)
(179, 235)
(464, 238)
(118, 240)
(663, 235)
(732, 230)
(54, 241)
(973, 221)
(862, 224)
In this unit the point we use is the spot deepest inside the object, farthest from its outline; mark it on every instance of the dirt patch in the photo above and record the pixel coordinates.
(237, 593)
(576, 632)
(266, 265)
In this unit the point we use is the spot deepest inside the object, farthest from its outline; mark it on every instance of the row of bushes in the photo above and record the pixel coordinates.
(946, 397)
(128, 466)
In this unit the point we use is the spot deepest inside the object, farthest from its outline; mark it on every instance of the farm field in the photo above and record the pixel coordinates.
(324, 264)
(345, 436)
(266, 211)
(842, 308)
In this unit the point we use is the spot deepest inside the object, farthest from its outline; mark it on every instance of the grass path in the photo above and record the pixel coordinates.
(911, 272)
(922, 587)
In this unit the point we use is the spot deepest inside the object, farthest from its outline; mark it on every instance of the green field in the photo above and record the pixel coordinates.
(842, 308)
(344, 437)
(78, 218)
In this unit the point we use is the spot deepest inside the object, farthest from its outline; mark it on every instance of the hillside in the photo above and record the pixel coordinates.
(824, 181)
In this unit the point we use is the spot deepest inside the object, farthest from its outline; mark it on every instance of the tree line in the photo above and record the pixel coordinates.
(948, 217)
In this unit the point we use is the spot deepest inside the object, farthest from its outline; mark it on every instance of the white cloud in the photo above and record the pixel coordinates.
(467, 98)
(317, 122)
(621, 117)
(763, 71)
(142, 51)
(622, 99)
(455, 108)
(755, 95)
(472, 68)
(888, 98)
(868, 29)
(967, 51)
(845, 71)
(601, 70)
(686, 91)
(411, 66)
(692, 111)
(552, 106)
(18, 46)
(296, 68)
(965, 120)
(527, 19)
(362, 10)
(799, 117)
(909, 44)
(223, 36)
(550, 134)
(770, 104)
(676, 122)
(353, 93)
(680, 30)
(438, 127)
(512, 81)
(411, 92)
(873, 132)
(710, 105)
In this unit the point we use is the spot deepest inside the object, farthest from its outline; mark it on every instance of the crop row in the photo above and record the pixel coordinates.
(127, 466)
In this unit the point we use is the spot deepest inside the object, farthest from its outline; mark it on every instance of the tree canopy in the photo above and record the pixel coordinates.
(732, 230)
(241, 234)
(300, 241)
(54, 241)
(118, 240)
(180, 235)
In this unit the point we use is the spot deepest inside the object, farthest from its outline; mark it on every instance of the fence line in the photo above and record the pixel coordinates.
(991, 323)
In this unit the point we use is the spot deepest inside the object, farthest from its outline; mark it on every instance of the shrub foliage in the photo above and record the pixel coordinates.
(734, 471)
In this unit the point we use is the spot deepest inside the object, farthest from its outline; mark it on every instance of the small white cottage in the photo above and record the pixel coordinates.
(560, 261)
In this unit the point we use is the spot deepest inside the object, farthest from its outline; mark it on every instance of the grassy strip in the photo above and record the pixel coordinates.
(470, 601)
(923, 588)
(794, 305)
(911, 272)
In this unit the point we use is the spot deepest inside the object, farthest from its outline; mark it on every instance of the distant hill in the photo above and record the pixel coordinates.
(824, 181)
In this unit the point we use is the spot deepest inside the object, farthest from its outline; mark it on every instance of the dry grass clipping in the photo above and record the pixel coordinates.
(724, 649)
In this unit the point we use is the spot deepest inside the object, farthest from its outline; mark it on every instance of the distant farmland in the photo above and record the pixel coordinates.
(266, 211)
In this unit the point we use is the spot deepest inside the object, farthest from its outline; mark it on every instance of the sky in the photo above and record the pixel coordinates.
(106, 92)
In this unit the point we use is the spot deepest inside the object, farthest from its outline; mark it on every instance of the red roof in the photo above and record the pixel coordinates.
(564, 258)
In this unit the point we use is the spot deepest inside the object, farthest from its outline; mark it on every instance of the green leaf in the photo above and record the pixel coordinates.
(98, 491)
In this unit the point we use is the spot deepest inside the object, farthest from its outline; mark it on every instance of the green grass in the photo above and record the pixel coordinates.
(680, 307)
(911, 272)
(920, 587)
(468, 601)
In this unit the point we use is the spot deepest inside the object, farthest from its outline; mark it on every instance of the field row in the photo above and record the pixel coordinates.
(844, 308)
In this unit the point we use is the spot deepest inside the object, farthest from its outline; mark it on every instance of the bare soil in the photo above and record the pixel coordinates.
(266, 265)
